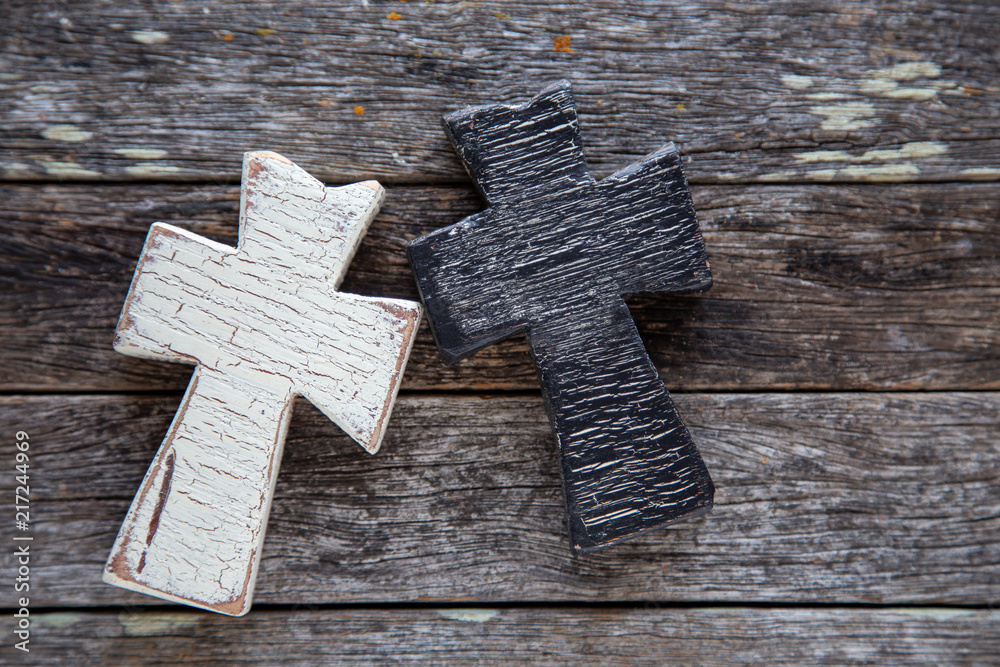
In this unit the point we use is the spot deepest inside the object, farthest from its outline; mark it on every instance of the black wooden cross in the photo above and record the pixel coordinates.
(553, 254)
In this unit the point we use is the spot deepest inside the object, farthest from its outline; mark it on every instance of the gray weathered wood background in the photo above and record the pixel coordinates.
(842, 377)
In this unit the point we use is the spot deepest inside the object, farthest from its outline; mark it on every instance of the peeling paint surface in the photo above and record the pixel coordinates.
(68, 170)
(885, 82)
(16, 169)
(826, 97)
(265, 323)
(797, 82)
(881, 174)
(67, 133)
(469, 615)
(981, 173)
(151, 169)
(58, 619)
(150, 37)
(154, 623)
(911, 70)
(141, 153)
(848, 116)
(822, 156)
(914, 150)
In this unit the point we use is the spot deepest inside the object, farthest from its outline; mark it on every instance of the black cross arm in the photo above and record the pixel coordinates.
(468, 307)
(658, 241)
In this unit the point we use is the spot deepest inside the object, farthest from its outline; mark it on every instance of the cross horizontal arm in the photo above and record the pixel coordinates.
(650, 228)
(175, 269)
(354, 373)
(465, 283)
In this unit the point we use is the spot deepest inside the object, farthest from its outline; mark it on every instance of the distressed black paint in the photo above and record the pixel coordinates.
(553, 254)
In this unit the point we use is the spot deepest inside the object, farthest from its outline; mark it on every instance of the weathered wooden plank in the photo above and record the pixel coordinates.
(578, 636)
(815, 287)
(786, 92)
(873, 498)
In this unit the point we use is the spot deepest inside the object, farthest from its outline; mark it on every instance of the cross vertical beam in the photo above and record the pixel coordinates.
(195, 529)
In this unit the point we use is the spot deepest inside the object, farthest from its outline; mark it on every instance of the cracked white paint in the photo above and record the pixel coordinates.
(143, 169)
(66, 133)
(913, 150)
(264, 323)
(796, 81)
(847, 116)
(141, 153)
(468, 615)
(68, 170)
(150, 37)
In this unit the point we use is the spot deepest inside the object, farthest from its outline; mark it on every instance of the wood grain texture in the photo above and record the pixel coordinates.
(552, 256)
(823, 498)
(843, 91)
(815, 287)
(650, 636)
(794, 120)
(264, 323)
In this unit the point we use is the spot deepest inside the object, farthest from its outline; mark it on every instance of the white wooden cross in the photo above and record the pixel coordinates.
(264, 323)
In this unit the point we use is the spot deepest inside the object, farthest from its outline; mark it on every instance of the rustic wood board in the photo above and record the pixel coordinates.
(815, 287)
(821, 498)
(762, 92)
(834, 499)
(578, 636)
